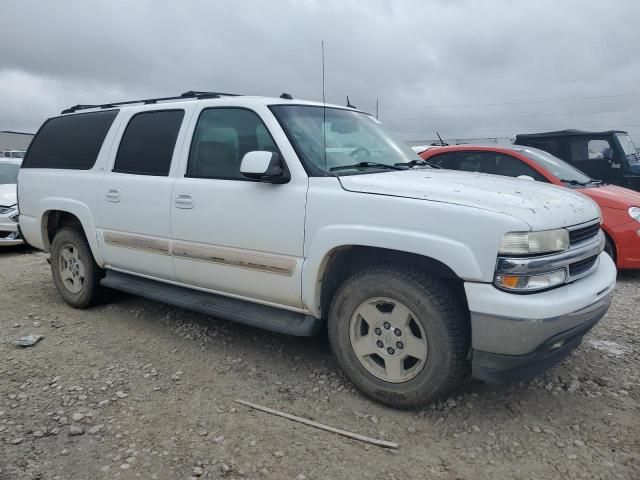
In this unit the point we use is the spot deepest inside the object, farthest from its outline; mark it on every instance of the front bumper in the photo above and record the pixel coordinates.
(518, 336)
(9, 234)
(627, 240)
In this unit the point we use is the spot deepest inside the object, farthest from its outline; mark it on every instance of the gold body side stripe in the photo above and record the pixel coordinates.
(235, 257)
(137, 242)
(222, 255)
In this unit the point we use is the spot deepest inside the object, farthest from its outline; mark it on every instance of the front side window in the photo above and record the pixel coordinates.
(221, 139)
(338, 141)
(148, 142)
(599, 149)
(589, 149)
(9, 173)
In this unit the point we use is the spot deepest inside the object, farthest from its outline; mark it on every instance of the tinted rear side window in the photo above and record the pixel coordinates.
(70, 141)
(147, 144)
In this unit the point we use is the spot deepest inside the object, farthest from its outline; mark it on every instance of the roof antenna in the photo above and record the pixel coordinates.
(349, 103)
(440, 138)
(324, 116)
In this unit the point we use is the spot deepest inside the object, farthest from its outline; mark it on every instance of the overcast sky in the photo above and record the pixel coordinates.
(463, 67)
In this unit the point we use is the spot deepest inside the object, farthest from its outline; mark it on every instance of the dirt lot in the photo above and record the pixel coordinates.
(137, 389)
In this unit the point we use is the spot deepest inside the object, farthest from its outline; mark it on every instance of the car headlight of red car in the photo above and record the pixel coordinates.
(635, 213)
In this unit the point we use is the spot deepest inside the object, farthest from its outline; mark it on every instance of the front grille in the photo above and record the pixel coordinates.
(578, 268)
(581, 234)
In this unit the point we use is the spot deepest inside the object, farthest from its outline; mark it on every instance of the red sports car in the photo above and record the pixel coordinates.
(620, 206)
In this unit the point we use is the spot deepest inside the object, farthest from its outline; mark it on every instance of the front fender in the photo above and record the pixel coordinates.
(76, 208)
(452, 253)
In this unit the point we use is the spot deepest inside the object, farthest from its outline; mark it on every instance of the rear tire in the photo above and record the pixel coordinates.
(76, 274)
(400, 335)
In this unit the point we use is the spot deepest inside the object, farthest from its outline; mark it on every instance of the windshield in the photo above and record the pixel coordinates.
(559, 168)
(343, 142)
(9, 173)
(629, 148)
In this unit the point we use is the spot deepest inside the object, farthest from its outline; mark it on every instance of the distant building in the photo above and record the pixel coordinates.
(14, 140)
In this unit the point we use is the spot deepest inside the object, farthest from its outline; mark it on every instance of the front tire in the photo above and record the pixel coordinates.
(400, 335)
(76, 275)
(610, 248)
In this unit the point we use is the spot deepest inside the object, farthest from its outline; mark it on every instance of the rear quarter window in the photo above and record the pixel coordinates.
(70, 141)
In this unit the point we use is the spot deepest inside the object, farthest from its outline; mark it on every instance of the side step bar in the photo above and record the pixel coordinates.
(253, 314)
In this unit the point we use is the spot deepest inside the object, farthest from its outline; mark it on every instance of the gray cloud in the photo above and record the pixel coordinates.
(429, 63)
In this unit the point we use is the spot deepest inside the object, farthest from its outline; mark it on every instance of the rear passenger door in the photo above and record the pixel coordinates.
(134, 225)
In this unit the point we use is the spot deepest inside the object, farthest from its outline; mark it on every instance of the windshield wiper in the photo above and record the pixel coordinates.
(596, 182)
(365, 165)
(572, 182)
(415, 163)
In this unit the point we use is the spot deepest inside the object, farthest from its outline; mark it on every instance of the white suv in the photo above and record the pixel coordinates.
(289, 215)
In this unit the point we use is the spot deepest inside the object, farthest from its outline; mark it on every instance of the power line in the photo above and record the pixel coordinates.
(523, 102)
(526, 115)
(481, 129)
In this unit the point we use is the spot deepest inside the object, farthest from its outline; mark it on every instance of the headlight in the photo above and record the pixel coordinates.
(530, 283)
(525, 243)
(635, 213)
(5, 210)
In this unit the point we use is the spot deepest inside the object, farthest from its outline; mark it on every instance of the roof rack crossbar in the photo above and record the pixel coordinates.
(147, 101)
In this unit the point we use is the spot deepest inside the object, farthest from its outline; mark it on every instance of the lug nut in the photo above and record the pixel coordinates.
(378, 331)
(397, 332)
(379, 344)
(400, 345)
(387, 325)
(390, 351)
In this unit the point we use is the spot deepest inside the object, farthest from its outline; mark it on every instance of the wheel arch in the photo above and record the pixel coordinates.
(343, 261)
(64, 213)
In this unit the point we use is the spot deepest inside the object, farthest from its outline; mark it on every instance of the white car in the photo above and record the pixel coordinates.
(291, 216)
(9, 234)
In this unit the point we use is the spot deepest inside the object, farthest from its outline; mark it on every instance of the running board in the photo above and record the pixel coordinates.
(249, 313)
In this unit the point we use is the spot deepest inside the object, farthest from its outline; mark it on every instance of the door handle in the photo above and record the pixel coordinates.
(113, 195)
(184, 200)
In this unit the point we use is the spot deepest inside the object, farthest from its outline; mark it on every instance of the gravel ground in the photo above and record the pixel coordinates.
(137, 389)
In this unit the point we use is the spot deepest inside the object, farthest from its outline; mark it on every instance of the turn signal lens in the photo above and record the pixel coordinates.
(530, 283)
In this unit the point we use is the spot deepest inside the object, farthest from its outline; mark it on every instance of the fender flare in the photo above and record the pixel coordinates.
(456, 255)
(81, 212)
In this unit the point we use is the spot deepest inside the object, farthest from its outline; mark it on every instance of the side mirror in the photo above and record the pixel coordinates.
(264, 166)
(527, 177)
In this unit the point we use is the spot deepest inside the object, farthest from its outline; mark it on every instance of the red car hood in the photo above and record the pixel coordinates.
(612, 196)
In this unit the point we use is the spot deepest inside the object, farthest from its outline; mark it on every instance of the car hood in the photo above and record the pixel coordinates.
(8, 194)
(613, 196)
(540, 205)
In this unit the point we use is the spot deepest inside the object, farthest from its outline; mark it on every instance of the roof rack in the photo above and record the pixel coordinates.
(148, 101)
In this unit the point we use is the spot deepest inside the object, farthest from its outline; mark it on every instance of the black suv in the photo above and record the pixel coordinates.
(610, 156)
